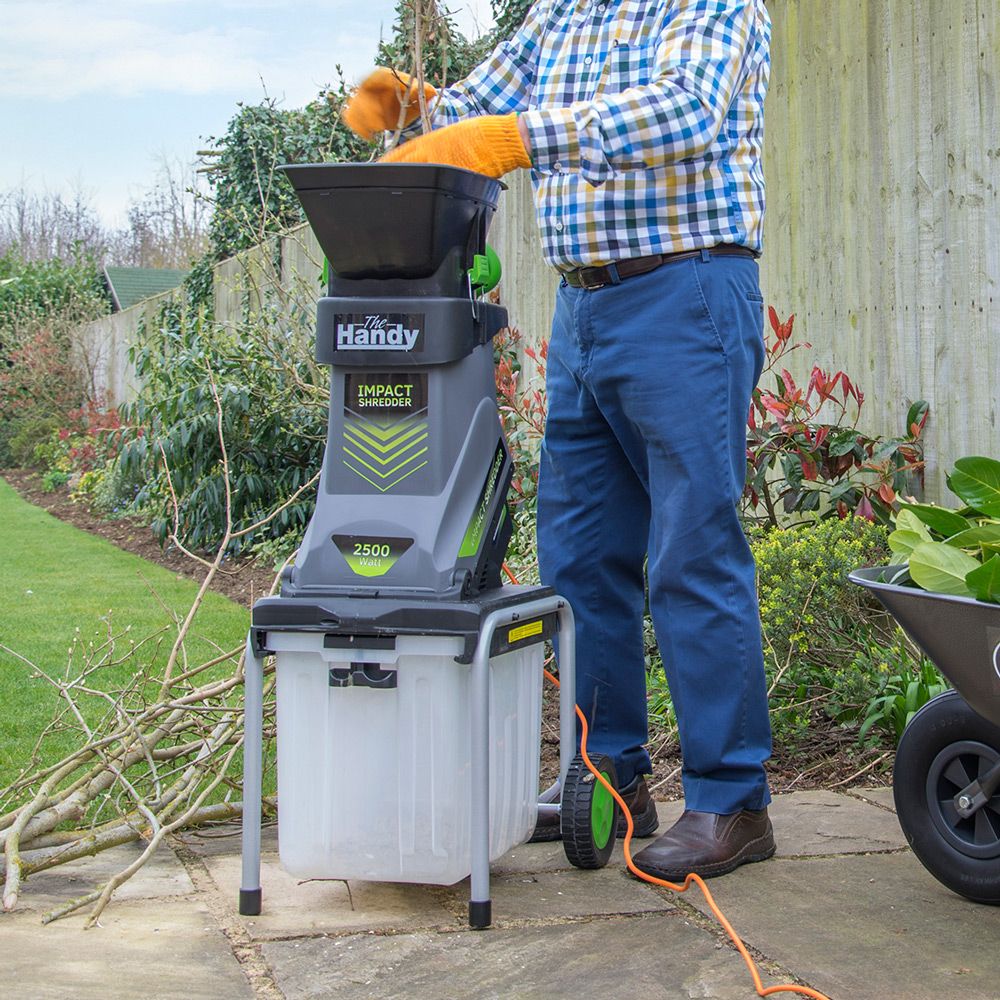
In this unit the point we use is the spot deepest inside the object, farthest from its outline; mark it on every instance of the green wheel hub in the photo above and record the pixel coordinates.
(602, 813)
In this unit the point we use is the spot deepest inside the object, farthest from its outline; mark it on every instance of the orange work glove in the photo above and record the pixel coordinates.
(375, 105)
(488, 144)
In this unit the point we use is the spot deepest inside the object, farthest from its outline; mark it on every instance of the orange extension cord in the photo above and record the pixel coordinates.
(762, 991)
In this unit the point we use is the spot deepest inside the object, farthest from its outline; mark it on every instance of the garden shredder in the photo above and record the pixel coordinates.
(408, 677)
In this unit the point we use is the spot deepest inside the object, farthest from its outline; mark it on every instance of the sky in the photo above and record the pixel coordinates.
(94, 94)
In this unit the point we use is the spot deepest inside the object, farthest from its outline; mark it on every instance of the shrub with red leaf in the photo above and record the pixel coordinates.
(521, 398)
(91, 435)
(805, 452)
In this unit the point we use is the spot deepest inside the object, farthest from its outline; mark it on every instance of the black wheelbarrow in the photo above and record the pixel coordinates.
(946, 780)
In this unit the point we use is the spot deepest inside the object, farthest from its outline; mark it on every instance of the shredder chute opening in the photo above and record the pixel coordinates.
(394, 220)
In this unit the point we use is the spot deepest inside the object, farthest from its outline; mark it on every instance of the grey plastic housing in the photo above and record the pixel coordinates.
(435, 501)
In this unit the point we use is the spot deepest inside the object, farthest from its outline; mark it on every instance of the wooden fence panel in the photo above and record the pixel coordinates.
(883, 226)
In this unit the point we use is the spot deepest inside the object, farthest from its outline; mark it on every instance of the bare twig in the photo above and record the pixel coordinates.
(864, 770)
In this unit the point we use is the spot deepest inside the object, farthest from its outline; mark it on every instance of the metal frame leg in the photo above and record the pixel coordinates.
(480, 904)
(253, 739)
(567, 690)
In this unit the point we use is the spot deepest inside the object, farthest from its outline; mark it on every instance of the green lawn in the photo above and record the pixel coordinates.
(56, 579)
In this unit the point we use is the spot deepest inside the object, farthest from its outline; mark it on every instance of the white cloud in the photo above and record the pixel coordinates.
(59, 50)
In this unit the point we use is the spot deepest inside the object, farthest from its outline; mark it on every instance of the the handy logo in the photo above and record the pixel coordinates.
(386, 332)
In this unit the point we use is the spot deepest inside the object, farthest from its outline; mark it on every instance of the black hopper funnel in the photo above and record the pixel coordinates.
(395, 220)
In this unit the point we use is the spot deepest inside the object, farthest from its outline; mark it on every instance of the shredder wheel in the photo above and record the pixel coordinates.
(588, 815)
(945, 747)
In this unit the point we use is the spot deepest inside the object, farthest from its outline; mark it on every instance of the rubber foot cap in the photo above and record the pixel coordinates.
(480, 914)
(250, 902)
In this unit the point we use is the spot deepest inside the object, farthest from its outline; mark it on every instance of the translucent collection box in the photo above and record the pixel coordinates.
(374, 783)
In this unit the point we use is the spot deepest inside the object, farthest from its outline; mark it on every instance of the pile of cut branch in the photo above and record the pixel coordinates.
(153, 757)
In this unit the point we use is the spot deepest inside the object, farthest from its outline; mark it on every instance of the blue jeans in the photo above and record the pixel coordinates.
(644, 458)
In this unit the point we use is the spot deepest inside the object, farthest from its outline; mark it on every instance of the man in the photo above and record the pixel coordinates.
(642, 124)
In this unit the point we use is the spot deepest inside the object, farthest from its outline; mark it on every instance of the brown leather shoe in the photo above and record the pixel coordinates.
(642, 807)
(637, 798)
(708, 845)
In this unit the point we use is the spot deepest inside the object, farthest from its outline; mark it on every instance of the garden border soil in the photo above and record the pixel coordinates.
(827, 756)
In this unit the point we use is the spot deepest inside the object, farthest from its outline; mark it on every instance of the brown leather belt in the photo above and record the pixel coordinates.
(613, 274)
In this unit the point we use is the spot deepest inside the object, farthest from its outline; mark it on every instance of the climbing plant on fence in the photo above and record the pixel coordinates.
(252, 199)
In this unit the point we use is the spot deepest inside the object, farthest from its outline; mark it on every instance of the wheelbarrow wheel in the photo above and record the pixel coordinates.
(588, 816)
(944, 749)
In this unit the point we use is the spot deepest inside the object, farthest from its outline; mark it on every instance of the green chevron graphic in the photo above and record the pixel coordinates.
(382, 452)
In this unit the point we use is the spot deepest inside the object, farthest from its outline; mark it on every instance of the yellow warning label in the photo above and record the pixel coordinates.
(523, 631)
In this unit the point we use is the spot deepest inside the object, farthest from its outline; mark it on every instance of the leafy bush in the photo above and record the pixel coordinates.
(21, 436)
(108, 489)
(902, 692)
(521, 399)
(53, 479)
(34, 293)
(273, 400)
(40, 387)
(90, 435)
(798, 462)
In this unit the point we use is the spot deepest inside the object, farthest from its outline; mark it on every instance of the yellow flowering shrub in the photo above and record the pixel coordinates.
(814, 621)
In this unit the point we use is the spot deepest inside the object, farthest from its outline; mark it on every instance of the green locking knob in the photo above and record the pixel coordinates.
(484, 275)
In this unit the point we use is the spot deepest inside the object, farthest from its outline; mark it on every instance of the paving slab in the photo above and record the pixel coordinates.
(162, 876)
(806, 824)
(574, 893)
(663, 956)
(550, 857)
(819, 823)
(293, 908)
(163, 950)
(874, 927)
(225, 839)
(546, 857)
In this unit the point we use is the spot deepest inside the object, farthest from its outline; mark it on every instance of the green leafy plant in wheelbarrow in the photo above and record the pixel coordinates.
(953, 552)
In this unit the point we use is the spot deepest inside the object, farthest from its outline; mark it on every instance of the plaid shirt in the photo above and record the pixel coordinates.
(646, 120)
